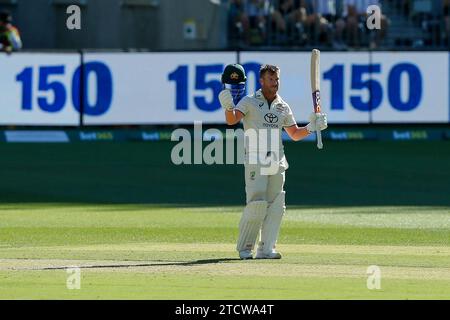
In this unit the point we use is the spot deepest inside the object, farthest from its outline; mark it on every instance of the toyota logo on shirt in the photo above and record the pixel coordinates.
(271, 118)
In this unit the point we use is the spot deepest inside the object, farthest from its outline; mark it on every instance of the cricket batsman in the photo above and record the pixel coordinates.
(261, 111)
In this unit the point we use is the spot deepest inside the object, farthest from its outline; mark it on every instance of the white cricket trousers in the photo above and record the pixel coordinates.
(262, 187)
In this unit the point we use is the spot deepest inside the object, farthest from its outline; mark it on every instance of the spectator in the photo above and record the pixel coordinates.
(285, 12)
(250, 19)
(326, 9)
(257, 13)
(446, 15)
(352, 20)
(9, 35)
(355, 17)
(339, 27)
(306, 20)
(288, 19)
(238, 20)
(428, 15)
(323, 19)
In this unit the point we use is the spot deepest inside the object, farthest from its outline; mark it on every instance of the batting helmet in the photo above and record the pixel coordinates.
(233, 78)
(234, 74)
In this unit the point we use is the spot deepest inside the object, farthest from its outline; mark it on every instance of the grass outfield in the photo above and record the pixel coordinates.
(141, 228)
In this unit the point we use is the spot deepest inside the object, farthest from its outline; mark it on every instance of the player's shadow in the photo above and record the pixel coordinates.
(185, 263)
(208, 261)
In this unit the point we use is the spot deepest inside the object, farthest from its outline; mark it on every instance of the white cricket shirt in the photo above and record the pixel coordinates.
(259, 115)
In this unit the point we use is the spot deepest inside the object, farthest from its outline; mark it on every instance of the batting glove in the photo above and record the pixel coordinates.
(317, 121)
(226, 99)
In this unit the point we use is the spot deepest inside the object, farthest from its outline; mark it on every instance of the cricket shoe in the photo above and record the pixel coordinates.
(245, 254)
(267, 255)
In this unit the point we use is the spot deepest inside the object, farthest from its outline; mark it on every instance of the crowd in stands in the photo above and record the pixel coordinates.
(432, 17)
(9, 35)
(336, 24)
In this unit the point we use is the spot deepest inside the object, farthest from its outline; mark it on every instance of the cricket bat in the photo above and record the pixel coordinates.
(315, 87)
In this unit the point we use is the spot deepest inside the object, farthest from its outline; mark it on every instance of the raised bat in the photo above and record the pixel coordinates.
(315, 87)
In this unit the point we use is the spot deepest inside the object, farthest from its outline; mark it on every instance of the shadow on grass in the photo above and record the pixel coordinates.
(186, 263)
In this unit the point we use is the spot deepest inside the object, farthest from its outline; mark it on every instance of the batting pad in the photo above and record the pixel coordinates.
(250, 224)
(272, 223)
